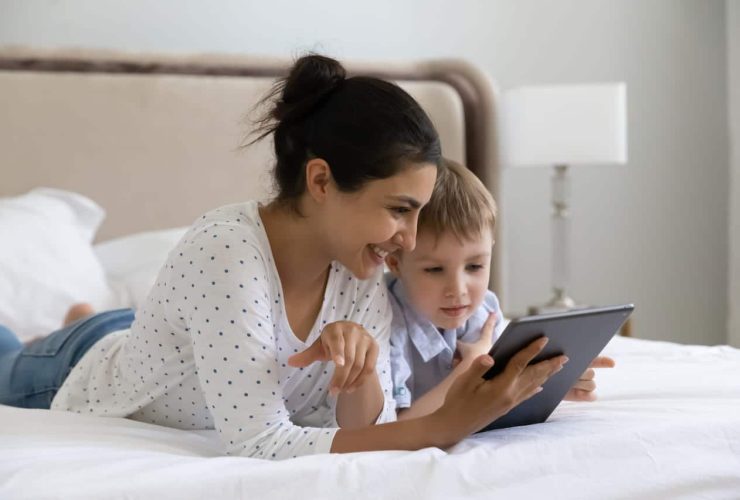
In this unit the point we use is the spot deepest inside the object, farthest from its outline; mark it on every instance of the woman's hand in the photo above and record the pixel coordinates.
(584, 389)
(353, 350)
(466, 352)
(473, 402)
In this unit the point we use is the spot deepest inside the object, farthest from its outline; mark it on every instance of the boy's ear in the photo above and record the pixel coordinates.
(392, 261)
(318, 178)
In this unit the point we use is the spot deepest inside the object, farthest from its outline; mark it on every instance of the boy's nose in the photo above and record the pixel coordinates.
(456, 288)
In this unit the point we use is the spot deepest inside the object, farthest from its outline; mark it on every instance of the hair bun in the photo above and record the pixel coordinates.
(311, 79)
(311, 75)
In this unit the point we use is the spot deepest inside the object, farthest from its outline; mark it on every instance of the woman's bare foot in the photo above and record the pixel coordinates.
(78, 311)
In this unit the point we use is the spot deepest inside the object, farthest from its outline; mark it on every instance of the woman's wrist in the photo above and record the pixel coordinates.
(444, 431)
(361, 407)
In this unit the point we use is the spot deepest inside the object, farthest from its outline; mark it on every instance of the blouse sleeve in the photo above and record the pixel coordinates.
(227, 305)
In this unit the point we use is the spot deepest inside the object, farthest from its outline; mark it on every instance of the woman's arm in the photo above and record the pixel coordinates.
(362, 406)
(470, 404)
(415, 434)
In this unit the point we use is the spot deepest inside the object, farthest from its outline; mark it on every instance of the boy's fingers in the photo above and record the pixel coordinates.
(488, 326)
(585, 385)
(581, 395)
(589, 374)
(602, 362)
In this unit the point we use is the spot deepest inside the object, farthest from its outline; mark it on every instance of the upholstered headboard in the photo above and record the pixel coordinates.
(155, 139)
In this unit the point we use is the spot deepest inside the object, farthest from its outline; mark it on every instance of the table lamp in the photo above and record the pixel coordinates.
(560, 126)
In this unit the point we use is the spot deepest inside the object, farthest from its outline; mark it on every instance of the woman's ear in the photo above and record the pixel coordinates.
(318, 179)
(392, 261)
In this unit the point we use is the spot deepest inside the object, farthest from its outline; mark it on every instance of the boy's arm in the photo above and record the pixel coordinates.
(434, 398)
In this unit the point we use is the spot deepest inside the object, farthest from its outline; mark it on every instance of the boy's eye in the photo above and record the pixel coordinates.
(474, 267)
(437, 269)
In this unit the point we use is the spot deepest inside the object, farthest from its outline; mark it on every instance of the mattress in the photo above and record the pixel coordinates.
(666, 425)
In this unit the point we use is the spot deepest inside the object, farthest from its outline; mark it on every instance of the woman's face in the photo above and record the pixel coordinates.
(363, 227)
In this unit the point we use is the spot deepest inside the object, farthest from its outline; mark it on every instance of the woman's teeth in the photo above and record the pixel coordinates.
(379, 251)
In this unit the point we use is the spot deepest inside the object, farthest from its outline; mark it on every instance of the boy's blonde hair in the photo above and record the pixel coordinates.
(460, 203)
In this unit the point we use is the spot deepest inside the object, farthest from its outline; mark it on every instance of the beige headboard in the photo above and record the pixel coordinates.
(155, 139)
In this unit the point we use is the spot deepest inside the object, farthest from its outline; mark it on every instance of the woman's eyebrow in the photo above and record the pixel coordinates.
(414, 203)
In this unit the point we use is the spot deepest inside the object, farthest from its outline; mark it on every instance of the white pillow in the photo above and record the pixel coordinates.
(133, 262)
(46, 259)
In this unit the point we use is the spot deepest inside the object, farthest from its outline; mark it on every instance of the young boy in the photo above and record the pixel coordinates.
(444, 316)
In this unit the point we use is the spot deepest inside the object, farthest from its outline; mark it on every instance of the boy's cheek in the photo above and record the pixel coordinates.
(420, 298)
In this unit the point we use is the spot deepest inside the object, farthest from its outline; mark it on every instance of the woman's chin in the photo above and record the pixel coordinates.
(365, 267)
(364, 272)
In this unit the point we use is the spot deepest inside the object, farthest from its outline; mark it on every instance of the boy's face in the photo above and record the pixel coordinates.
(445, 279)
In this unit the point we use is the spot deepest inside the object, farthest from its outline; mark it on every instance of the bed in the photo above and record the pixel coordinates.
(105, 157)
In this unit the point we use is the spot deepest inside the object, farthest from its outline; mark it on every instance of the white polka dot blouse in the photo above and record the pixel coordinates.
(209, 348)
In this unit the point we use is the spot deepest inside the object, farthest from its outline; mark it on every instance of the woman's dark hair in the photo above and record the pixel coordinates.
(364, 128)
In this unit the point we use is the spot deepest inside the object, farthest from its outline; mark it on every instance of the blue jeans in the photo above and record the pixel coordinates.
(31, 375)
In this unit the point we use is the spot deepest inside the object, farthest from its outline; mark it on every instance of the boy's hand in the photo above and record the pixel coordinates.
(584, 389)
(353, 350)
(468, 351)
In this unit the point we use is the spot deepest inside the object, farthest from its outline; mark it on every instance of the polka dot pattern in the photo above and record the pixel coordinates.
(209, 348)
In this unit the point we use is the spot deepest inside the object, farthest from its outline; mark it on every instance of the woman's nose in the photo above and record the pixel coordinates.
(405, 239)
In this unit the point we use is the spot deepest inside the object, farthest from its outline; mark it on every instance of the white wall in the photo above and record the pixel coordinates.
(653, 232)
(733, 80)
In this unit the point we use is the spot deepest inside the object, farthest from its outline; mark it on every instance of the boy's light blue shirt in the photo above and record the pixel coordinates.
(421, 354)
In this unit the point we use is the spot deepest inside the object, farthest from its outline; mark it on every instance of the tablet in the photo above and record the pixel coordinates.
(580, 334)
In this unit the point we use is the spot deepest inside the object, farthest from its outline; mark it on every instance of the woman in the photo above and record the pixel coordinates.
(271, 323)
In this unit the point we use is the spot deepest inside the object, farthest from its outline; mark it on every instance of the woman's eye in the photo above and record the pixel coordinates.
(433, 269)
(400, 210)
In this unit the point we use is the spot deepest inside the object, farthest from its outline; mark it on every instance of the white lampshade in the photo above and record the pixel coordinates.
(564, 124)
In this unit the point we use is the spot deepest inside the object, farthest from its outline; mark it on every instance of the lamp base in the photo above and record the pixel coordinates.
(560, 302)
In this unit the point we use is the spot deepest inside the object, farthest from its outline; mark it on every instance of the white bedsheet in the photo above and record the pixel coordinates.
(667, 425)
